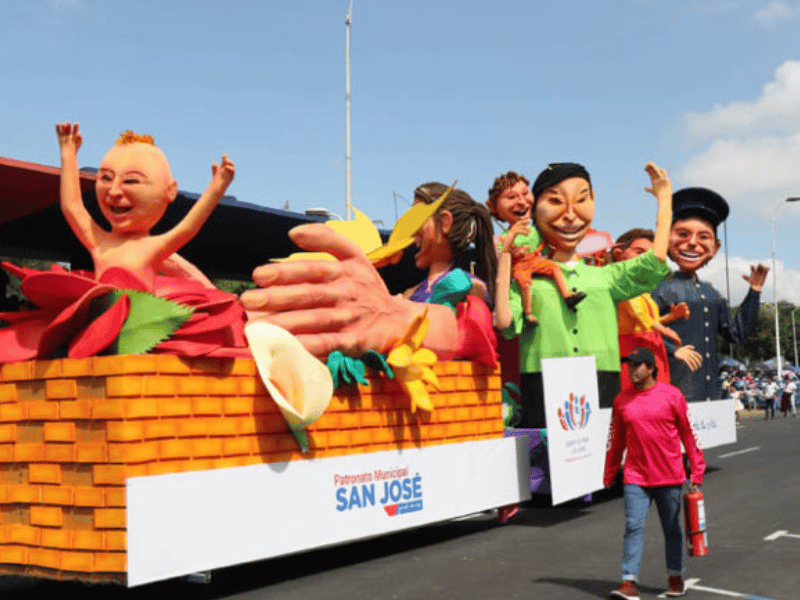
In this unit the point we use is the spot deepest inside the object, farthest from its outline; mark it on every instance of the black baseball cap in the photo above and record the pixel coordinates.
(641, 355)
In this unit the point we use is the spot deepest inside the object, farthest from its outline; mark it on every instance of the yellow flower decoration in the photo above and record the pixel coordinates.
(412, 364)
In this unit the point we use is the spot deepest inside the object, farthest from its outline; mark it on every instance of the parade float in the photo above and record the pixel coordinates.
(138, 467)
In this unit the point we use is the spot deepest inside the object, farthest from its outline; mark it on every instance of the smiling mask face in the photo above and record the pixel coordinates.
(563, 214)
(692, 243)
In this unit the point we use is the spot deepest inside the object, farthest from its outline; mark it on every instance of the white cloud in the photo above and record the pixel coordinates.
(775, 13)
(751, 150)
(755, 173)
(776, 111)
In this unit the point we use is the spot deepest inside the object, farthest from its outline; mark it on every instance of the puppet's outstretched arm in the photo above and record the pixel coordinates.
(661, 188)
(78, 218)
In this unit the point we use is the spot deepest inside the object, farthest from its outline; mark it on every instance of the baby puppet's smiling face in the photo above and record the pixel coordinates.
(514, 204)
(134, 187)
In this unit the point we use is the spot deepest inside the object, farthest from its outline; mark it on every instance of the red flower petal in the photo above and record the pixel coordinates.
(123, 279)
(102, 331)
(68, 321)
(55, 291)
(21, 340)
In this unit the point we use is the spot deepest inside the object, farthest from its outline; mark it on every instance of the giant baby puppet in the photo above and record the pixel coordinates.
(563, 210)
(693, 242)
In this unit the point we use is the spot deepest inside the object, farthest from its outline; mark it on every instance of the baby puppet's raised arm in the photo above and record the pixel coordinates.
(173, 240)
(79, 219)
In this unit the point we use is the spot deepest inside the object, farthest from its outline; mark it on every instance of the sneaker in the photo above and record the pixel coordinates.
(677, 587)
(627, 590)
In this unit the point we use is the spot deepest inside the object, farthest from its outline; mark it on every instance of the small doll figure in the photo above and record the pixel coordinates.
(534, 263)
(134, 187)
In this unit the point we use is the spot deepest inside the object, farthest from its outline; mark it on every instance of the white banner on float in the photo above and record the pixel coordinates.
(577, 430)
(714, 421)
(188, 522)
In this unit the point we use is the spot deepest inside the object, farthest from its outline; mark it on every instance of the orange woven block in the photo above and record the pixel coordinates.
(222, 386)
(124, 385)
(161, 429)
(88, 540)
(52, 494)
(45, 557)
(160, 385)
(109, 409)
(191, 386)
(109, 474)
(109, 518)
(206, 447)
(23, 534)
(15, 411)
(171, 449)
(238, 446)
(116, 540)
(44, 473)
(197, 427)
(59, 453)
(175, 407)
(59, 432)
(130, 363)
(132, 453)
(79, 409)
(222, 427)
(123, 431)
(115, 496)
(8, 392)
(108, 562)
(14, 555)
(61, 388)
(91, 453)
(76, 367)
(47, 516)
(81, 562)
(90, 496)
(21, 371)
(8, 432)
(236, 405)
(207, 406)
(42, 411)
(56, 538)
(141, 408)
(26, 453)
(6, 453)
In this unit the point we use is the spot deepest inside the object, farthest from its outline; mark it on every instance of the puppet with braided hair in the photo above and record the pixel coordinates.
(134, 187)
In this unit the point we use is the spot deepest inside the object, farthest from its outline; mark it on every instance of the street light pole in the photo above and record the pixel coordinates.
(775, 290)
(794, 337)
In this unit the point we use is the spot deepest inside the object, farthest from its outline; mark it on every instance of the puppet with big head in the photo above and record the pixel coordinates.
(564, 204)
(693, 242)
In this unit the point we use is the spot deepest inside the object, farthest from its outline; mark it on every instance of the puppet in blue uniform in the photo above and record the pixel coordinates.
(694, 368)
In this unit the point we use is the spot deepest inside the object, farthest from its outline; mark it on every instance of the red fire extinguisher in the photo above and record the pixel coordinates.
(694, 512)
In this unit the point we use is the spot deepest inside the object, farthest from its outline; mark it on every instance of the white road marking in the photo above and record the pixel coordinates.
(739, 452)
(692, 584)
(780, 533)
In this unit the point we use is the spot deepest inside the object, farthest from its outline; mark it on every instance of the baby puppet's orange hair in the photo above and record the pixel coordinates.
(130, 137)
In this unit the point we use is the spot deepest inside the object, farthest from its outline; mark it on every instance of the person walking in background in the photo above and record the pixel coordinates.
(770, 392)
(650, 422)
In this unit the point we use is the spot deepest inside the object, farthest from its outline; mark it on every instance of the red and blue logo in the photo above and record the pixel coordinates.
(575, 414)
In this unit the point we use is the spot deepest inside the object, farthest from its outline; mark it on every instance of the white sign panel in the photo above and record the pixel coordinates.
(188, 522)
(576, 429)
(714, 422)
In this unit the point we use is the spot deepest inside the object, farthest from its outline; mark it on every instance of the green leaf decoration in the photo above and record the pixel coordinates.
(334, 363)
(151, 321)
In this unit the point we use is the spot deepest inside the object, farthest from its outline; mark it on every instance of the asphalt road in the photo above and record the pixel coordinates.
(572, 551)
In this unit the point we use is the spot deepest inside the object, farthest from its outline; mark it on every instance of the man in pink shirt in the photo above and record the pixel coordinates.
(651, 421)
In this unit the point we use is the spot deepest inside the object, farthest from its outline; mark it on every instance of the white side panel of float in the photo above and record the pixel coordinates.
(188, 522)
(577, 429)
(714, 422)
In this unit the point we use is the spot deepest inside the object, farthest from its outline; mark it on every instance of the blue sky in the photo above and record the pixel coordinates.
(441, 90)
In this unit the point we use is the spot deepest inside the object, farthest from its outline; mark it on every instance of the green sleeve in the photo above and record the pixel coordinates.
(630, 278)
